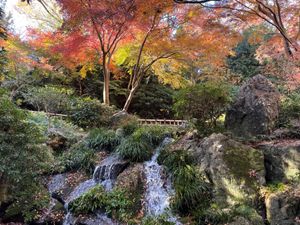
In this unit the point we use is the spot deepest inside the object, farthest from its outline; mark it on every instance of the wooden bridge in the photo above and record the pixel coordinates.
(162, 122)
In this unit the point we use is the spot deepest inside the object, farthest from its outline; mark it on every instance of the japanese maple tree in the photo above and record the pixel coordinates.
(93, 30)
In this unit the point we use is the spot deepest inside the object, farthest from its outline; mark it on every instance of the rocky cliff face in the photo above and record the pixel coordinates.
(282, 159)
(283, 208)
(240, 172)
(255, 110)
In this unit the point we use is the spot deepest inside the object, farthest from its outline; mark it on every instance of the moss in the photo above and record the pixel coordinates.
(244, 164)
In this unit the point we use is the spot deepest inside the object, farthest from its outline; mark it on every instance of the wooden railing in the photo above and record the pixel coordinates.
(162, 122)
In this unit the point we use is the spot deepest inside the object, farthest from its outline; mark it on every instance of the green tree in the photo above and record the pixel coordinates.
(153, 100)
(244, 62)
(204, 103)
(22, 159)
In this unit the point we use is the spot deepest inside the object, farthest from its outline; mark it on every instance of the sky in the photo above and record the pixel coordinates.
(21, 21)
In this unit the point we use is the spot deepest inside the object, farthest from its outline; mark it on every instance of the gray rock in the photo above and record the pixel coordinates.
(255, 110)
(109, 168)
(236, 170)
(282, 160)
(283, 208)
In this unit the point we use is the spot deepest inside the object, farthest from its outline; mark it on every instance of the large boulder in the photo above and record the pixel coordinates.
(283, 208)
(255, 110)
(236, 170)
(282, 159)
(133, 181)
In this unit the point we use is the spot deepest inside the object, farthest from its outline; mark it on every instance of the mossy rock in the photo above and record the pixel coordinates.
(132, 180)
(235, 170)
(282, 160)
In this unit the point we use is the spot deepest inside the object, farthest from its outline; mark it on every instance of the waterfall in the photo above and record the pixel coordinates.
(158, 189)
(105, 174)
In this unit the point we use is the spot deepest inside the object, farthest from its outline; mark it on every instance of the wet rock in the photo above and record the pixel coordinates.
(283, 208)
(234, 169)
(282, 159)
(255, 110)
(131, 179)
(109, 168)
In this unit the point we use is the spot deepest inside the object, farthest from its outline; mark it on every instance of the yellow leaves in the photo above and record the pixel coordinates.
(85, 69)
(168, 72)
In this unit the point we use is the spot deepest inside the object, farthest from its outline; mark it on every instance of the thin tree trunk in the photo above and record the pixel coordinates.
(106, 78)
(287, 48)
(129, 98)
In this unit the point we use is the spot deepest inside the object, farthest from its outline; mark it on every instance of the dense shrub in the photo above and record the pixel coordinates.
(290, 109)
(204, 102)
(22, 159)
(52, 99)
(116, 203)
(89, 113)
(134, 150)
(191, 190)
(67, 129)
(78, 157)
(101, 139)
(153, 100)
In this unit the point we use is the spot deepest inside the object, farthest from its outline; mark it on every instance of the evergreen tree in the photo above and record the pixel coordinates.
(153, 100)
(244, 62)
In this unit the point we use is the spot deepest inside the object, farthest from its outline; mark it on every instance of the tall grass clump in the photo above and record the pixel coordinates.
(101, 139)
(134, 150)
(192, 191)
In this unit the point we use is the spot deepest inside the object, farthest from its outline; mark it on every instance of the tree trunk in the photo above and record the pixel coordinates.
(287, 48)
(106, 75)
(129, 98)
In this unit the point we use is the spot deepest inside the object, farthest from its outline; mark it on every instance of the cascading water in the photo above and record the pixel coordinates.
(104, 174)
(158, 191)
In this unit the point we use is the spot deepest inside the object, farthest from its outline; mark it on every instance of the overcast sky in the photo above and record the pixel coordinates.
(21, 21)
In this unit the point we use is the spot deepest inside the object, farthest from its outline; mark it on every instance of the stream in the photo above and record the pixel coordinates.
(157, 194)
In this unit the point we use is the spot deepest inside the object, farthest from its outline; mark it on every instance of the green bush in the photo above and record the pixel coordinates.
(67, 129)
(28, 202)
(213, 215)
(151, 135)
(204, 103)
(160, 220)
(52, 99)
(78, 157)
(134, 150)
(23, 159)
(175, 160)
(116, 203)
(89, 113)
(191, 189)
(289, 109)
(101, 139)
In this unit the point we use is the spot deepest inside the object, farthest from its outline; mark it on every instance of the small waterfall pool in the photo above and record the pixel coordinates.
(158, 190)
(104, 174)
(157, 194)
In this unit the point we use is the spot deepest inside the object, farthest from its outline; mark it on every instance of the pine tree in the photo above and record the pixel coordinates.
(244, 62)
